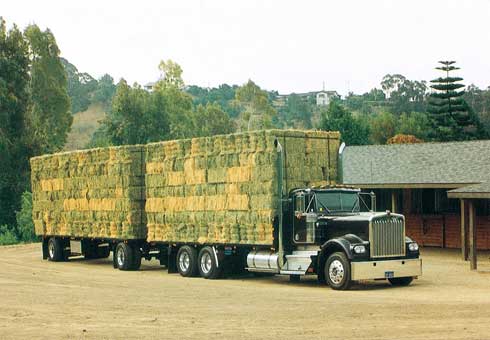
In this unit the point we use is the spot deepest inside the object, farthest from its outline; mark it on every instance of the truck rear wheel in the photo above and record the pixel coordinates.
(187, 261)
(127, 257)
(207, 265)
(401, 281)
(55, 250)
(337, 271)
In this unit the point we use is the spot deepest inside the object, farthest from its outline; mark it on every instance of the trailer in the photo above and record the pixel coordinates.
(263, 201)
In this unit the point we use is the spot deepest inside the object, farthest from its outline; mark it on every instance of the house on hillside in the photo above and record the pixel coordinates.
(441, 188)
(149, 86)
(321, 98)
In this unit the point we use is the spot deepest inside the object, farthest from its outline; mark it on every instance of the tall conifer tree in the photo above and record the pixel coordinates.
(450, 116)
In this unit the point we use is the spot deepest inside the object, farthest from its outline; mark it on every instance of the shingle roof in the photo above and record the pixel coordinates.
(481, 190)
(451, 164)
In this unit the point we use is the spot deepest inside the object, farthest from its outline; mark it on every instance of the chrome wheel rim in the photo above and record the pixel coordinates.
(206, 263)
(184, 261)
(51, 249)
(120, 257)
(336, 272)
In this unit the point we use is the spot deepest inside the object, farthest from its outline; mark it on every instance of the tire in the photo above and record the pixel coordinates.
(124, 257)
(337, 271)
(207, 266)
(401, 281)
(186, 261)
(55, 250)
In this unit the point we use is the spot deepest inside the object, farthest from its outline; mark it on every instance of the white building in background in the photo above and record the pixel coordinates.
(322, 98)
(149, 86)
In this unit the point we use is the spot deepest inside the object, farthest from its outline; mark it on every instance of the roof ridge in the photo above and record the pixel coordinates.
(416, 144)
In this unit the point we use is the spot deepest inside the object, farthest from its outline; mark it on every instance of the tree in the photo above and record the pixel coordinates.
(14, 104)
(79, 86)
(450, 116)
(298, 112)
(126, 122)
(49, 118)
(352, 131)
(105, 89)
(223, 95)
(210, 120)
(256, 109)
(415, 123)
(383, 127)
(171, 74)
(404, 95)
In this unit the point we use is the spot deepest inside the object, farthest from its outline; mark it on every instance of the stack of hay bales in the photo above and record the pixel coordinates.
(95, 193)
(223, 189)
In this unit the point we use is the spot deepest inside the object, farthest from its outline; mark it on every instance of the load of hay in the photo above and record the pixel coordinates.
(90, 193)
(223, 189)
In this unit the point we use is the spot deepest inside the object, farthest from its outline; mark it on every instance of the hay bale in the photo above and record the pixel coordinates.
(90, 193)
(224, 188)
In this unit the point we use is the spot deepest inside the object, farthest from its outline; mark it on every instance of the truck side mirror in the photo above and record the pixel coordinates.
(299, 204)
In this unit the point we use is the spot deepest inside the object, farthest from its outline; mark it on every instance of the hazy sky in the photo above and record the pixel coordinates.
(289, 46)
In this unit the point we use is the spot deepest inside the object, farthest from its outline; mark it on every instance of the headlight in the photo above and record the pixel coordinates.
(359, 249)
(413, 246)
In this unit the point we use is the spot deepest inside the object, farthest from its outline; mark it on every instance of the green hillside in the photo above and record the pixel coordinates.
(84, 125)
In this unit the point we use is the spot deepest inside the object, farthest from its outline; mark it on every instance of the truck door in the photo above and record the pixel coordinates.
(303, 226)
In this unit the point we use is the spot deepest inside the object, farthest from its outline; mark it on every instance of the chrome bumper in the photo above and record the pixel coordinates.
(372, 270)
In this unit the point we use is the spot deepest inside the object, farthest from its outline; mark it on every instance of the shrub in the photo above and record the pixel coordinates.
(25, 225)
(7, 236)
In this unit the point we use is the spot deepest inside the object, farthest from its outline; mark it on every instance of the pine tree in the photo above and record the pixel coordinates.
(450, 116)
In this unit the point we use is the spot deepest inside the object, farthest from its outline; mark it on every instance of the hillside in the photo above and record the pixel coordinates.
(84, 125)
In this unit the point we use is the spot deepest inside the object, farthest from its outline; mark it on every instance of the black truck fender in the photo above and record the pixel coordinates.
(338, 244)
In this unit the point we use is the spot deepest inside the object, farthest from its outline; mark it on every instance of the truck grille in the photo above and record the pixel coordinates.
(387, 237)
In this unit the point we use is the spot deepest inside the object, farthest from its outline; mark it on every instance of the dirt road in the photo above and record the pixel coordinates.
(90, 300)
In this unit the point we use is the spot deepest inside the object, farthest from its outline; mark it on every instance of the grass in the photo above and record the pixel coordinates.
(84, 125)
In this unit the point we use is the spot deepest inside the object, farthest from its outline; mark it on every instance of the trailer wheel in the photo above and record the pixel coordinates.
(337, 271)
(401, 281)
(55, 250)
(124, 256)
(208, 268)
(187, 261)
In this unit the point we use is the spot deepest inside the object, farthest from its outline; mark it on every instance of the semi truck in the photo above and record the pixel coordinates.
(265, 202)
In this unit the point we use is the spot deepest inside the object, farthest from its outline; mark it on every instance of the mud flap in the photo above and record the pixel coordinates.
(172, 258)
(114, 259)
(45, 248)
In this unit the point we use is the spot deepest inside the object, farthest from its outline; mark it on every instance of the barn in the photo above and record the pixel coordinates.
(443, 189)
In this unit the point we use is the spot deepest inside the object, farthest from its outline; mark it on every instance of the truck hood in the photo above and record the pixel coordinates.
(363, 216)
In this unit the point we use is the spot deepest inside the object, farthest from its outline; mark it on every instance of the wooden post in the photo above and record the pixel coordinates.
(393, 201)
(464, 239)
(472, 234)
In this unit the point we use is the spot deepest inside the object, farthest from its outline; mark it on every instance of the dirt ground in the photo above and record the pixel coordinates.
(88, 299)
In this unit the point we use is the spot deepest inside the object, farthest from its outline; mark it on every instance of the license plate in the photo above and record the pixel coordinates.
(389, 275)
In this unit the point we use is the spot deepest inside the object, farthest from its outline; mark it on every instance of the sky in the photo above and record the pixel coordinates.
(288, 46)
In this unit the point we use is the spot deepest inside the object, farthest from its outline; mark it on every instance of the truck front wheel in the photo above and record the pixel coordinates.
(207, 265)
(187, 261)
(337, 271)
(401, 281)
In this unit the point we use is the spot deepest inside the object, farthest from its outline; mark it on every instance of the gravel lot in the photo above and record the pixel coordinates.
(83, 299)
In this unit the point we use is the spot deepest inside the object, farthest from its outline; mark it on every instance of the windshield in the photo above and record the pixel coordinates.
(337, 201)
